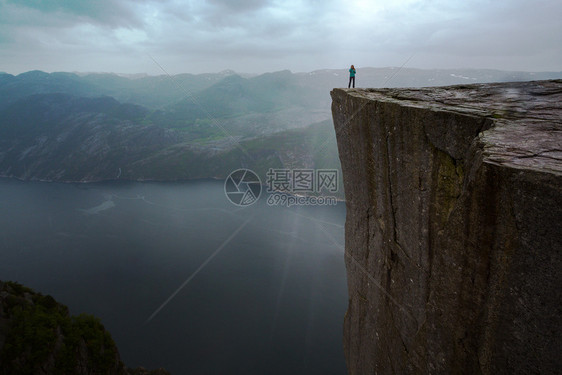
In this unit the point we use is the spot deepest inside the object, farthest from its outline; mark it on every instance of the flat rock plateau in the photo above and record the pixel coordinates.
(454, 228)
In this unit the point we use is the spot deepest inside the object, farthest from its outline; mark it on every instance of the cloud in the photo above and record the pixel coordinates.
(113, 13)
(265, 35)
(239, 6)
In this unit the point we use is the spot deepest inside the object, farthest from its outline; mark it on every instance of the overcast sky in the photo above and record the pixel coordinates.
(257, 36)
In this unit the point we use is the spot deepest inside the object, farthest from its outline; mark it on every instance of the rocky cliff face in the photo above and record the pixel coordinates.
(454, 228)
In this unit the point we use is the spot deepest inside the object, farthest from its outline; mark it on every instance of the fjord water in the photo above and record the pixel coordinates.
(271, 301)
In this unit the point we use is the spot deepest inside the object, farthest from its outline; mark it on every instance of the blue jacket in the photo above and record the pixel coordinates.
(352, 72)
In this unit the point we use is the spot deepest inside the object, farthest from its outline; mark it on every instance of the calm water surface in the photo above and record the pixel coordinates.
(140, 257)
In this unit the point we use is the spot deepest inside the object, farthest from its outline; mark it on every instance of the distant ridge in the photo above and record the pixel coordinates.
(105, 126)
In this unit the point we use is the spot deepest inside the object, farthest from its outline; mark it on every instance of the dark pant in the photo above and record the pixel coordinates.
(351, 79)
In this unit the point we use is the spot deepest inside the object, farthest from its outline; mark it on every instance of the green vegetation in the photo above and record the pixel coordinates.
(62, 136)
(43, 335)
(449, 177)
(86, 331)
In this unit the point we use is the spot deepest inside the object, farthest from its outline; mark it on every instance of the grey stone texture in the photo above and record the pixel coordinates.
(454, 228)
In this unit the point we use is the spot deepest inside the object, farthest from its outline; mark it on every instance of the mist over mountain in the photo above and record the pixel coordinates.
(73, 127)
(149, 91)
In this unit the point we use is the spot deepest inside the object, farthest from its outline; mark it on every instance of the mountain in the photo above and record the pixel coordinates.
(248, 106)
(13, 88)
(62, 137)
(39, 336)
(152, 91)
(58, 137)
(159, 91)
(74, 127)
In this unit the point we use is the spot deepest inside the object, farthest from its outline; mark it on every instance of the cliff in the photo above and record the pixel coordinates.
(454, 228)
(38, 336)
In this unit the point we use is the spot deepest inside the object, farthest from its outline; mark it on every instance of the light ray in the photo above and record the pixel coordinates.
(214, 254)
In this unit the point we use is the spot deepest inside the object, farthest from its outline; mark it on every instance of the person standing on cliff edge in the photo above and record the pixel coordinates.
(351, 76)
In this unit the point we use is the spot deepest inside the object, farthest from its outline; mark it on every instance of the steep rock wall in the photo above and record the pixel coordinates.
(454, 228)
